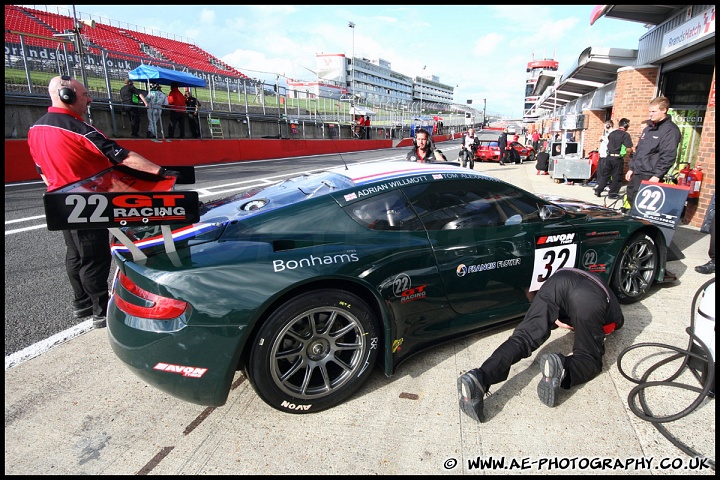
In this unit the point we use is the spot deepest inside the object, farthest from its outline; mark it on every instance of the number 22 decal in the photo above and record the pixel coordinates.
(79, 201)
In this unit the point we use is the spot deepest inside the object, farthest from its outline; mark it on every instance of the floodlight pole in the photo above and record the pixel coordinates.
(421, 93)
(352, 99)
(484, 112)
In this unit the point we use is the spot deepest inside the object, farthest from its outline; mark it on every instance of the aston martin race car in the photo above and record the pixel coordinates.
(307, 285)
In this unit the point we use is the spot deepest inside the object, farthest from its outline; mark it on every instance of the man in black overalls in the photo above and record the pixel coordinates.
(612, 165)
(572, 299)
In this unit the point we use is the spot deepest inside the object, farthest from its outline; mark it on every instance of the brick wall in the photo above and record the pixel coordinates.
(696, 211)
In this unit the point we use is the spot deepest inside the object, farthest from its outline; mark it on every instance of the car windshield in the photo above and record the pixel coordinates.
(261, 199)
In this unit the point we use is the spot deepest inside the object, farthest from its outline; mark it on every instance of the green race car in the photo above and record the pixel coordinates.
(309, 283)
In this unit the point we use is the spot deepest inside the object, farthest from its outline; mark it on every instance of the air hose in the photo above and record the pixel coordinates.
(697, 356)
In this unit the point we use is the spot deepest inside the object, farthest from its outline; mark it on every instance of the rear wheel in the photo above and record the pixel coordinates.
(636, 267)
(314, 351)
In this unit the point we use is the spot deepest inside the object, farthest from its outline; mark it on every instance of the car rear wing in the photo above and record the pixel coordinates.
(123, 197)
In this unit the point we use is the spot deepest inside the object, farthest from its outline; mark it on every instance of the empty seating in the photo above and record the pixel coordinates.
(121, 43)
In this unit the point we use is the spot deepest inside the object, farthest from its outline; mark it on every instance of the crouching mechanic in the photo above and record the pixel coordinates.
(572, 299)
(423, 150)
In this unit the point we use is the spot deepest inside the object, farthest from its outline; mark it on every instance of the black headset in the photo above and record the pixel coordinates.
(66, 94)
(624, 123)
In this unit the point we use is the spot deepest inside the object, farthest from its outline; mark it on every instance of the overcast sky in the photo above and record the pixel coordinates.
(482, 49)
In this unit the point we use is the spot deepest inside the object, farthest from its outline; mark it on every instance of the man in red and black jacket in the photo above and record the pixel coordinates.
(66, 149)
(571, 298)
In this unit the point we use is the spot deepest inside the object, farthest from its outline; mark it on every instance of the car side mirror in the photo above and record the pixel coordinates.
(514, 220)
(550, 212)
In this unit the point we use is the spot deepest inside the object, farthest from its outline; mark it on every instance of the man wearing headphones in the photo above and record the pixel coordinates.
(423, 151)
(66, 149)
(612, 165)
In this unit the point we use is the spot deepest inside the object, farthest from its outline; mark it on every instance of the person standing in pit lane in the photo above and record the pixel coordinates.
(656, 150)
(423, 151)
(66, 149)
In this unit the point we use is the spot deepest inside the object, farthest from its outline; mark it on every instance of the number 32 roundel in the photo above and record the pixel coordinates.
(552, 252)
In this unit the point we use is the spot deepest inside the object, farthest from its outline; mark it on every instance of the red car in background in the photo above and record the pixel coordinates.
(488, 151)
(526, 152)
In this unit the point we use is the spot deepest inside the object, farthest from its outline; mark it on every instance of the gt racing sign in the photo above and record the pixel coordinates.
(83, 210)
(552, 252)
(121, 197)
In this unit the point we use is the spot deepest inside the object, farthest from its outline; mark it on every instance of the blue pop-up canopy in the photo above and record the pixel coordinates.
(165, 76)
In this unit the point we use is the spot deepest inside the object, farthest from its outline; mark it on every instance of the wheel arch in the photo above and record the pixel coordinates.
(658, 239)
(357, 288)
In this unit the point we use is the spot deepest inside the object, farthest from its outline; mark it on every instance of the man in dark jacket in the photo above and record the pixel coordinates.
(131, 98)
(502, 145)
(656, 149)
(571, 298)
(612, 165)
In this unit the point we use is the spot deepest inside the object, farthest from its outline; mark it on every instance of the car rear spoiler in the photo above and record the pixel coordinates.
(122, 197)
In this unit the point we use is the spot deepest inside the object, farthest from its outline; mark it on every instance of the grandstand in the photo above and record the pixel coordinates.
(41, 29)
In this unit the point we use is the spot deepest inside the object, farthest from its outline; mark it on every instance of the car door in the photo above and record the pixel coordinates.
(490, 243)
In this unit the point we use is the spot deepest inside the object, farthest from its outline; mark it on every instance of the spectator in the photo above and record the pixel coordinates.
(367, 127)
(423, 150)
(503, 146)
(571, 298)
(360, 127)
(612, 165)
(656, 150)
(178, 111)
(66, 149)
(440, 127)
(536, 140)
(131, 98)
(156, 101)
(516, 138)
(469, 144)
(193, 105)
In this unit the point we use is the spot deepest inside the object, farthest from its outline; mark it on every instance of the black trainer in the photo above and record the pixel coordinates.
(552, 374)
(82, 309)
(99, 321)
(709, 267)
(471, 396)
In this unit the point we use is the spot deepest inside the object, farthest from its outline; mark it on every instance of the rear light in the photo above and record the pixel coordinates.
(144, 304)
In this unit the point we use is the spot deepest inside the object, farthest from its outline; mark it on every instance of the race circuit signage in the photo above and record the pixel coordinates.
(116, 199)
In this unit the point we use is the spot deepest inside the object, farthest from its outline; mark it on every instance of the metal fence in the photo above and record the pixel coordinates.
(28, 72)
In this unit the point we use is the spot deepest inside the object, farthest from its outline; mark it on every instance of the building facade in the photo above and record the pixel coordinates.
(675, 58)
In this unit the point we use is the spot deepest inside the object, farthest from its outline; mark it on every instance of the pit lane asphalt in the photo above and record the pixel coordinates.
(76, 409)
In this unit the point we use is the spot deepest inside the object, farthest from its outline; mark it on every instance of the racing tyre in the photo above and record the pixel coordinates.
(314, 351)
(635, 270)
(531, 157)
